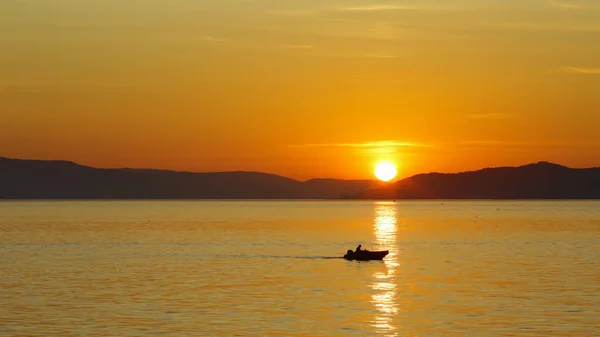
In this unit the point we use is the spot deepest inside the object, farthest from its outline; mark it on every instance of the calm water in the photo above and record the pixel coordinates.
(268, 269)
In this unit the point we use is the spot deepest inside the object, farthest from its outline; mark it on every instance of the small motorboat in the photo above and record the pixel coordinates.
(365, 255)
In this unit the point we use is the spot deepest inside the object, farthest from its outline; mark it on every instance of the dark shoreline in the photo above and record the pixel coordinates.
(61, 180)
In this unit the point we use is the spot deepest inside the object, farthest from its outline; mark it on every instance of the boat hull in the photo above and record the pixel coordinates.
(365, 255)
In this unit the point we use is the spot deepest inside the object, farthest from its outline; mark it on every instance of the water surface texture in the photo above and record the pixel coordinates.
(272, 268)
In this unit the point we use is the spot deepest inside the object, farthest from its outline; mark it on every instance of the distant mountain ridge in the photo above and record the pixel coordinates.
(39, 179)
(542, 180)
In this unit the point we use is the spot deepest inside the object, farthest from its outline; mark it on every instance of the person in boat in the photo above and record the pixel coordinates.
(358, 248)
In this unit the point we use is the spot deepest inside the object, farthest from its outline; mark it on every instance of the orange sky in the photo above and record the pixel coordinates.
(301, 88)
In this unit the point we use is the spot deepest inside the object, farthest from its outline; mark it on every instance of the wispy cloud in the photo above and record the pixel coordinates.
(496, 146)
(379, 8)
(213, 39)
(389, 146)
(389, 7)
(348, 55)
(523, 146)
(357, 8)
(292, 12)
(380, 56)
(385, 143)
(493, 116)
(582, 27)
(564, 5)
(298, 46)
(581, 70)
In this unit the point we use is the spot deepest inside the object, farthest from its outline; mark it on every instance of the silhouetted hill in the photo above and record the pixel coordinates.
(36, 179)
(534, 181)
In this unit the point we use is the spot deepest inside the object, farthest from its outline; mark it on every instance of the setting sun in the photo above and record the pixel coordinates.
(385, 171)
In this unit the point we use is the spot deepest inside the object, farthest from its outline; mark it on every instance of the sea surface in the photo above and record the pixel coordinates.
(273, 268)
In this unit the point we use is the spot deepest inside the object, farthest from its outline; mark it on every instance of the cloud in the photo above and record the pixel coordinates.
(386, 143)
(213, 39)
(564, 5)
(575, 27)
(292, 12)
(392, 7)
(380, 56)
(582, 70)
(522, 146)
(348, 55)
(298, 46)
(379, 8)
(358, 8)
(492, 116)
(390, 146)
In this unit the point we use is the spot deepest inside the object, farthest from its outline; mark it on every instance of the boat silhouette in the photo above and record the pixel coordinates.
(365, 255)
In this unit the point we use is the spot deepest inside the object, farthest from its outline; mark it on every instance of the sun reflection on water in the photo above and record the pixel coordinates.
(384, 286)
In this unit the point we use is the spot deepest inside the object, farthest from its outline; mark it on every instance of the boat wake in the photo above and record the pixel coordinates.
(296, 257)
(244, 256)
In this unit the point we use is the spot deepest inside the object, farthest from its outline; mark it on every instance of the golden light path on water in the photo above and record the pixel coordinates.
(384, 297)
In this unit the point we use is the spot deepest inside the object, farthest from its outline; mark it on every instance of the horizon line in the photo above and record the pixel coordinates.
(283, 176)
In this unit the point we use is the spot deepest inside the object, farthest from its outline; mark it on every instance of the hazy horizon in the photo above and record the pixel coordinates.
(397, 178)
(301, 88)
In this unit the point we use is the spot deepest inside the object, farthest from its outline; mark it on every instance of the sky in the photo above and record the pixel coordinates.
(301, 88)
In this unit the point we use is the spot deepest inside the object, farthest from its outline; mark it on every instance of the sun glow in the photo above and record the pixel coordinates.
(385, 171)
